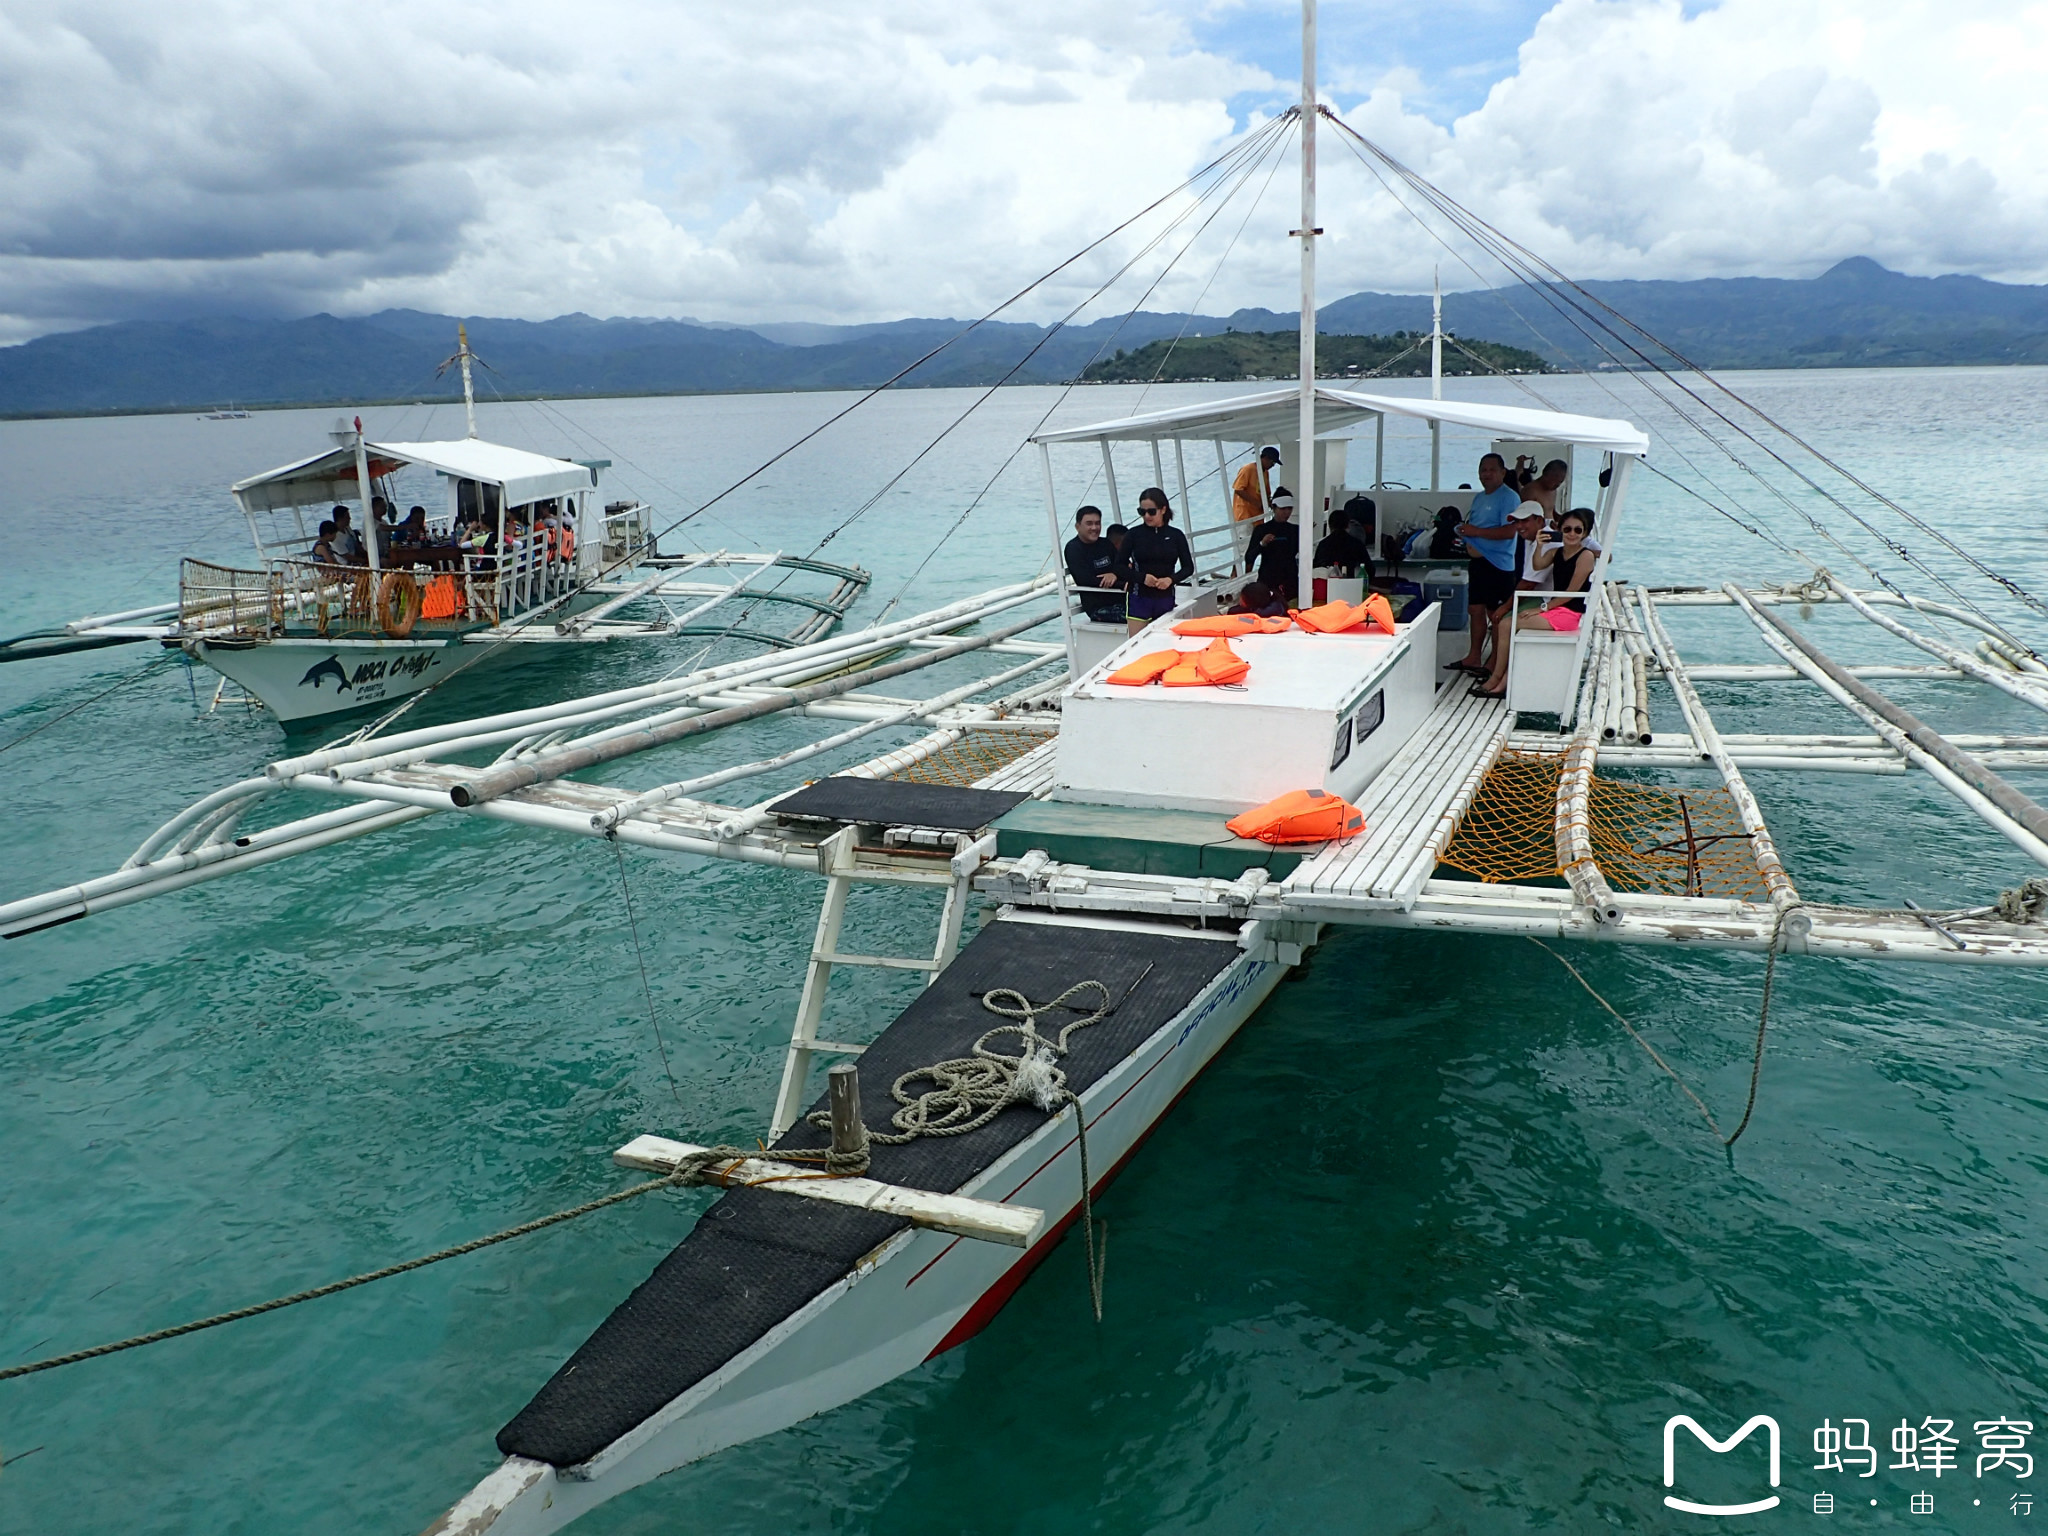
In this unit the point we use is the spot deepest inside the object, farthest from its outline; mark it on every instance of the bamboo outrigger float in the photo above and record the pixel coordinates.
(1086, 820)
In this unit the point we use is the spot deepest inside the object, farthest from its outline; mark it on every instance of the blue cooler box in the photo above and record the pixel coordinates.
(1448, 587)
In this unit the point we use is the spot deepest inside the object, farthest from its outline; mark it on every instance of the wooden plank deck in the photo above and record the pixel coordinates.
(1030, 774)
(1411, 809)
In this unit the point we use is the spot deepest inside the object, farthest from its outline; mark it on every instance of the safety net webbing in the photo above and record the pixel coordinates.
(1645, 838)
(972, 758)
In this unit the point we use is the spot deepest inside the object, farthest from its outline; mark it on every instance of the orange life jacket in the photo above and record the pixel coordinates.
(440, 600)
(1230, 625)
(1374, 614)
(1300, 816)
(1206, 669)
(1146, 669)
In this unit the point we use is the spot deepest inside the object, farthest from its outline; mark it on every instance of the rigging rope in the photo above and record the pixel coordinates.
(1524, 279)
(1550, 283)
(1250, 149)
(1277, 144)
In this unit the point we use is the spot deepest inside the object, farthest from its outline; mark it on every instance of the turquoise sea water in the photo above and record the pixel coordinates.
(1431, 1248)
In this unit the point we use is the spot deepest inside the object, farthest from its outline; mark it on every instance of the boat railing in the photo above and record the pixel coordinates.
(217, 600)
(437, 592)
(435, 589)
(404, 598)
(628, 531)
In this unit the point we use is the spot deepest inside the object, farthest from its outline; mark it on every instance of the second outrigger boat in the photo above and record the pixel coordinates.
(514, 553)
(557, 565)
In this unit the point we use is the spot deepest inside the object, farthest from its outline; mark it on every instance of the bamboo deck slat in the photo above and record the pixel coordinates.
(1412, 806)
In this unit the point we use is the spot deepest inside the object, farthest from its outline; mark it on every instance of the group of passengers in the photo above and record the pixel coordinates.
(1520, 542)
(338, 543)
(1517, 538)
(1131, 574)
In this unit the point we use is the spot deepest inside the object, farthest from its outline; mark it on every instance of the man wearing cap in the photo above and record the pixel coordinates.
(1252, 493)
(1276, 547)
(1251, 498)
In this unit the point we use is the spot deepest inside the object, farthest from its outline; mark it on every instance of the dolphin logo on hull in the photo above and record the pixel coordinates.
(331, 667)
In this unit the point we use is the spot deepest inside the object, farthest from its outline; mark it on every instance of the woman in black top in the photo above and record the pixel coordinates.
(1156, 555)
(1570, 563)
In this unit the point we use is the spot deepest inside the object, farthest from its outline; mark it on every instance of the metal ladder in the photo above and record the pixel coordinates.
(836, 862)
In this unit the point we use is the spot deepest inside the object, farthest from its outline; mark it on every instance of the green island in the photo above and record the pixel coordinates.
(1275, 355)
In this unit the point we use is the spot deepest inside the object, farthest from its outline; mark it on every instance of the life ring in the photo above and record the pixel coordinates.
(398, 604)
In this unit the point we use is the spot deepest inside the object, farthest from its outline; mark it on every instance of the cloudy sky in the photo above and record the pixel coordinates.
(851, 161)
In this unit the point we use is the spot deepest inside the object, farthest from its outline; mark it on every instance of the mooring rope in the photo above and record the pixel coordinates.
(133, 677)
(2024, 903)
(1756, 1065)
(692, 1170)
(1763, 1019)
(1634, 1033)
(969, 1091)
(640, 956)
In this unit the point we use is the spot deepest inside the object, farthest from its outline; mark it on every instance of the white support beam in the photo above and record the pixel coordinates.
(1897, 738)
(1761, 846)
(1014, 1226)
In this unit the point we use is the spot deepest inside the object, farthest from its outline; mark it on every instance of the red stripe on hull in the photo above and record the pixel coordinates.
(982, 1313)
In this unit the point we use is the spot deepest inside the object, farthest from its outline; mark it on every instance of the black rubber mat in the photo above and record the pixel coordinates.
(895, 803)
(755, 1258)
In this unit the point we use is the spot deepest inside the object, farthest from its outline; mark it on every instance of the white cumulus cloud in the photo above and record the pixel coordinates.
(833, 162)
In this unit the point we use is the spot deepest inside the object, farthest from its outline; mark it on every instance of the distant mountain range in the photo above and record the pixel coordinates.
(1857, 314)
(1277, 355)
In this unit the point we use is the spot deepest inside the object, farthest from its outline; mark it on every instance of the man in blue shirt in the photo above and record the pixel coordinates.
(1491, 533)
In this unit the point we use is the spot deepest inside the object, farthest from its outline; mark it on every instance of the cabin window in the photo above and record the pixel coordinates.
(1343, 748)
(1372, 714)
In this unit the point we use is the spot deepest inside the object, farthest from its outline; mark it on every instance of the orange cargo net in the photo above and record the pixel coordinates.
(1645, 838)
(975, 756)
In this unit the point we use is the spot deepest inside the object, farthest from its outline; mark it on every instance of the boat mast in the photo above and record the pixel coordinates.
(1309, 500)
(1436, 373)
(365, 499)
(468, 389)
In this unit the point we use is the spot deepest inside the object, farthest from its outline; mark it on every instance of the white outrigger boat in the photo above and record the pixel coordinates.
(1124, 926)
(559, 565)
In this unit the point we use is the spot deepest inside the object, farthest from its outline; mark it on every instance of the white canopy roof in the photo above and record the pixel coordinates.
(331, 475)
(1275, 413)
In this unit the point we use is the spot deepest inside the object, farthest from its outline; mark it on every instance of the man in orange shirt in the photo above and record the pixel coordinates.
(1251, 496)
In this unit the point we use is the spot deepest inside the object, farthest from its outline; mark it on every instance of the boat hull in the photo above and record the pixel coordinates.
(916, 1295)
(306, 679)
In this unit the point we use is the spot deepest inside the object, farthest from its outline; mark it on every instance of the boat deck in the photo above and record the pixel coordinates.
(755, 1259)
(1030, 774)
(1411, 808)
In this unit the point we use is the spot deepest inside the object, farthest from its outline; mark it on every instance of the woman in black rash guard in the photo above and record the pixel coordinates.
(1156, 555)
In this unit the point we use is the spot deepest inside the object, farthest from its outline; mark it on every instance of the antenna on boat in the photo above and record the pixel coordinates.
(468, 389)
(1436, 372)
(1309, 499)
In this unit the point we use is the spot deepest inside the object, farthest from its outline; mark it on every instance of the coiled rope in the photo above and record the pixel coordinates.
(692, 1170)
(969, 1091)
